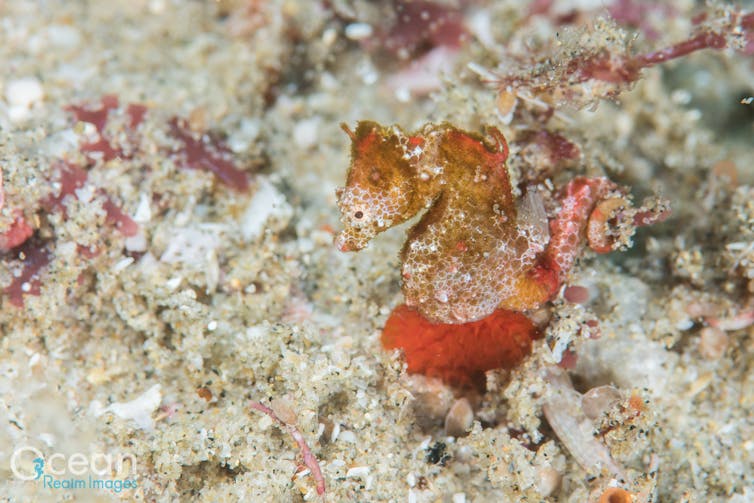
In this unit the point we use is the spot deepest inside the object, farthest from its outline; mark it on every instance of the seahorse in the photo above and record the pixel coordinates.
(474, 249)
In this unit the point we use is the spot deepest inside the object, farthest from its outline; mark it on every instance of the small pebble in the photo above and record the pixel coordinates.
(548, 480)
(459, 419)
(712, 343)
(358, 31)
(576, 294)
(305, 132)
(21, 95)
(23, 92)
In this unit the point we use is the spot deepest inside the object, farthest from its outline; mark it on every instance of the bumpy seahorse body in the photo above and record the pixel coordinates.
(471, 252)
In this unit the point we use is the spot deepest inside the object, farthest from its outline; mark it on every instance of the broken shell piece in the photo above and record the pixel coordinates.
(574, 429)
(459, 419)
(599, 400)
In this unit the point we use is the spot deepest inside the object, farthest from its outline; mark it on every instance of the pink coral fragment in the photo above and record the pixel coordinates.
(208, 154)
(16, 235)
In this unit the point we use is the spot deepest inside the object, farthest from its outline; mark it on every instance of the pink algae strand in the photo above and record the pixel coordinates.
(310, 460)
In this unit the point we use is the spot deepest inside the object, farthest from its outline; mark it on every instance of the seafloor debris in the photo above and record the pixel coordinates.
(587, 72)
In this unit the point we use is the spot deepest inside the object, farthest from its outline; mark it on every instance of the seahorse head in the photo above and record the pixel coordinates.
(380, 185)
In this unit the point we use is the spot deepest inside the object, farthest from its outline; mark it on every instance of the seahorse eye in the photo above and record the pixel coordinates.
(359, 214)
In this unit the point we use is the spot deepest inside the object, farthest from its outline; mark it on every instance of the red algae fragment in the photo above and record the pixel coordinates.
(95, 116)
(118, 219)
(207, 153)
(34, 255)
(98, 118)
(557, 147)
(136, 113)
(71, 177)
(459, 354)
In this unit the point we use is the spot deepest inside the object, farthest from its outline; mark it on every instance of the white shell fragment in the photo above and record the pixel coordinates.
(267, 206)
(140, 409)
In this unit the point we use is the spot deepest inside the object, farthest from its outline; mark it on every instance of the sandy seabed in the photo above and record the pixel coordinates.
(175, 293)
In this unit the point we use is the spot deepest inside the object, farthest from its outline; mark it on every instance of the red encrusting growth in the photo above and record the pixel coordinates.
(459, 354)
(207, 153)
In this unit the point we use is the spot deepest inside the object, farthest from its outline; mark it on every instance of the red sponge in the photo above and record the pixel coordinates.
(459, 354)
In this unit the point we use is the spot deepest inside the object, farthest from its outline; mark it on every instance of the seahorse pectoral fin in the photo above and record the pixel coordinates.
(532, 289)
